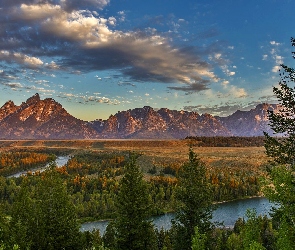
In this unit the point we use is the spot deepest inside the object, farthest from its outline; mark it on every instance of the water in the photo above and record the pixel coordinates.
(227, 212)
(60, 161)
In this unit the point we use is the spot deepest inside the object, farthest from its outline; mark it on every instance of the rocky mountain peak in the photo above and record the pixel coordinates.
(7, 109)
(41, 119)
(33, 99)
(47, 119)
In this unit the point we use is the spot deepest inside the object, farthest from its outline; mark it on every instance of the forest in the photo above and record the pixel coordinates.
(91, 183)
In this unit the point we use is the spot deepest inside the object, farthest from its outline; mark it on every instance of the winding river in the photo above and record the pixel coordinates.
(60, 161)
(227, 212)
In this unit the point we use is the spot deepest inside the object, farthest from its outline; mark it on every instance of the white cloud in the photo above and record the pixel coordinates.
(39, 11)
(238, 92)
(225, 83)
(264, 57)
(227, 71)
(112, 21)
(276, 68)
(20, 58)
(279, 59)
(274, 43)
(13, 85)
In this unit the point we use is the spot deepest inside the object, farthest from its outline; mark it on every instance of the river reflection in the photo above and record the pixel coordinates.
(227, 212)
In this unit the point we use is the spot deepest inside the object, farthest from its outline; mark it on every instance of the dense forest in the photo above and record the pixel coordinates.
(89, 185)
(92, 180)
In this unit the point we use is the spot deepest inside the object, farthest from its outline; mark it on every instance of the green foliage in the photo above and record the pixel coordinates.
(195, 196)
(286, 239)
(163, 239)
(234, 242)
(255, 232)
(255, 246)
(44, 217)
(282, 150)
(133, 227)
(199, 240)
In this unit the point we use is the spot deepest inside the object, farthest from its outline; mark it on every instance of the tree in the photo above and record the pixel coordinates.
(194, 193)
(198, 241)
(133, 227)
(282, 150)
(44, 217)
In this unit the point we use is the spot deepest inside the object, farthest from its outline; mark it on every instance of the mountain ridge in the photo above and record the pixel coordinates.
(47, 119)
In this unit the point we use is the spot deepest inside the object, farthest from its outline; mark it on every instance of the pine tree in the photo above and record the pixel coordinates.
(44, 217)
(61, 229)
(195, 196)
(133, 228)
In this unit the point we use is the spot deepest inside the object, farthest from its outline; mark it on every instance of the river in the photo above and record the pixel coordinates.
(60, 161)
(227, 212)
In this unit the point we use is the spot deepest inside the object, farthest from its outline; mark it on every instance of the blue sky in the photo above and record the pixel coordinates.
(97, 57)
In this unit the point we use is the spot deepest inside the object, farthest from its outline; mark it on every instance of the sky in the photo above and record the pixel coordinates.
(98, 57)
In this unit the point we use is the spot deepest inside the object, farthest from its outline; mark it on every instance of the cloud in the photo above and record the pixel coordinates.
(36, 12)
(274, 43)
(276, 68)
(15, 57)
(13, 85)
(215, 110)
(78, 4)
(69, 35)
(238, 92)
(276, 57)
(225, 83)
(193, 87)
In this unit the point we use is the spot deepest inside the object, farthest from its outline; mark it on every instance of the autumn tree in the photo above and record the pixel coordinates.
(195, 196)
(133, 227)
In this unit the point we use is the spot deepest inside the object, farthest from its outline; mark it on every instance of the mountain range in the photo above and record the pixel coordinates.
(47, 119)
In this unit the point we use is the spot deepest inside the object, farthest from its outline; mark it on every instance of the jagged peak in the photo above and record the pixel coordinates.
(33, 99)
(148, 108)
(8, 104)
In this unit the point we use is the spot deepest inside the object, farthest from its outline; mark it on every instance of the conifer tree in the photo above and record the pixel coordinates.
(195, 196)
(44, 217)
(133, 227)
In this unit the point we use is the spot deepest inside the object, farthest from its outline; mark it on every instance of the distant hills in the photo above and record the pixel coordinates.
(47, 119)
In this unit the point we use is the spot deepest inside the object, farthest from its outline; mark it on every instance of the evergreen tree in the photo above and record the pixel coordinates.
(23, 226)
(133, 228)
(195, 196)
(198, 241)
(45, 218)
